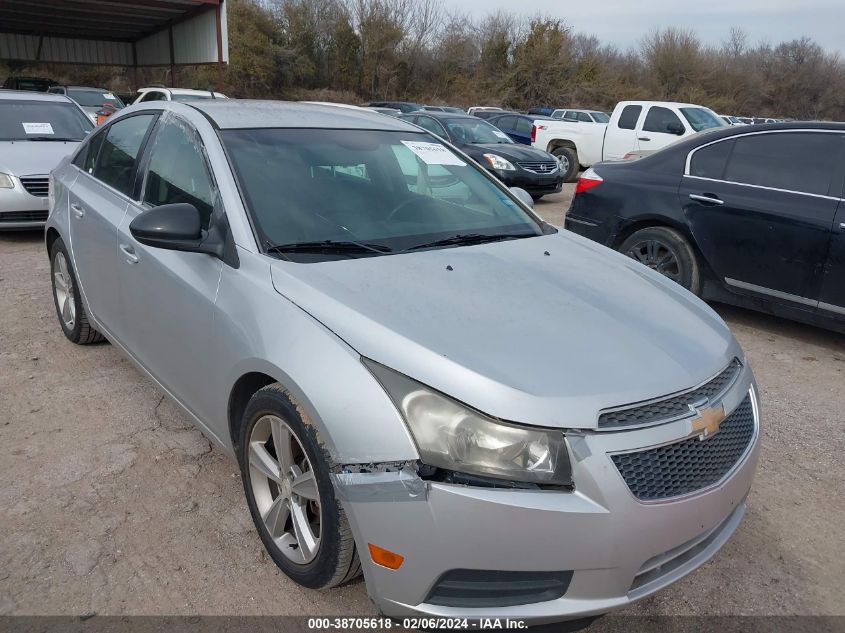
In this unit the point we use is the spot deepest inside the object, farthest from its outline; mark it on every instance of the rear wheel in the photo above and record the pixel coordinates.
(291, 498)
(69, 308)
(668, 252)
(567, 160)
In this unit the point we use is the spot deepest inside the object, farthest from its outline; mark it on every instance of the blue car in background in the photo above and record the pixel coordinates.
(517, 126)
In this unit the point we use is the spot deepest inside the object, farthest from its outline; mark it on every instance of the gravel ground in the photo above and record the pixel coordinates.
(111, 503)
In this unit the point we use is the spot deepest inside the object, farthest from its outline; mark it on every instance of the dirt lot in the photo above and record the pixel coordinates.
(111, 503)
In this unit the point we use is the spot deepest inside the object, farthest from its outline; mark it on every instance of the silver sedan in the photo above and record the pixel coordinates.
(420, 379)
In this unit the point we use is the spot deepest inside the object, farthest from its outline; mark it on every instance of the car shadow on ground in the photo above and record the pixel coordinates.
(780, 326)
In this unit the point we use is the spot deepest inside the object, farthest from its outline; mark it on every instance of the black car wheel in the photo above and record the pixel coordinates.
(567, 159)
(666, 251)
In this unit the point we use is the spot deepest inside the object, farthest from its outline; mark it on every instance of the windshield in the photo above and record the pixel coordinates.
(702, 119)
(42, 120)
(475, 132)
(191, 97)
(600, 117)
(92, 98)
(390, 191)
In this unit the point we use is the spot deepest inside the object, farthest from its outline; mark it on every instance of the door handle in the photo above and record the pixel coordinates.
(643, 138)
(706, 199)
(842, 225)
(78, 211)
(129, 252)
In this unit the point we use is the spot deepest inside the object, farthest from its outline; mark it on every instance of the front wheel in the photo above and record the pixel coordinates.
(668, 252)
(290, 495)
(567, 160)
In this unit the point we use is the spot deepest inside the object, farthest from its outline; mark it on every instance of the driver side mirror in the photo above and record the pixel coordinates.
(523, 196)
(175, 227)
(675, 128)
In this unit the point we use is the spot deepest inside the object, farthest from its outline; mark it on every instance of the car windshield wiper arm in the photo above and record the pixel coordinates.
(328, 246)
(52, 138)
(470, 238)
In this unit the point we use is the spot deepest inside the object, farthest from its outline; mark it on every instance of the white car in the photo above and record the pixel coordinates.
(634, 126)
(156, 93)
(475, 109)
(584, 116)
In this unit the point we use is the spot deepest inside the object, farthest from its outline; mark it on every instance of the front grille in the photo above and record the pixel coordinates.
(477, 588)
(36, 185)
(543, 167)
(672, 407)
(689, 465)
(23, 216)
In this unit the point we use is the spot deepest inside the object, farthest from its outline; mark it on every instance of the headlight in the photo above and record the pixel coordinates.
(497, 162)
(6, 181)
(452, 436)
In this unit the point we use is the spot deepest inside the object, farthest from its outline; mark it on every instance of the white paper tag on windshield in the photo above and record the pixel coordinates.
(108, 95)
(37, 128)
(500, 134)
(433, 153)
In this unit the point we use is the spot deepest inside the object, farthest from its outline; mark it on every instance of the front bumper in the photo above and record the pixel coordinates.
(535, 184)
(619, 549)
(20, 210)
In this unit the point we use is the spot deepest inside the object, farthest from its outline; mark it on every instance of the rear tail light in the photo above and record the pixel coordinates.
(533, 132)
(588, 180)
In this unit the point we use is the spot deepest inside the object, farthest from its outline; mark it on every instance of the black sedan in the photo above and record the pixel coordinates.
(749, 216)
(515, 165)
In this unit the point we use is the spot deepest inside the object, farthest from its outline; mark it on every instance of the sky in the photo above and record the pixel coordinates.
(625, 22)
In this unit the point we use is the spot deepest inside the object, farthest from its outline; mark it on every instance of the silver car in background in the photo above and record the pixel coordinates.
(36, 132)
(421, 380)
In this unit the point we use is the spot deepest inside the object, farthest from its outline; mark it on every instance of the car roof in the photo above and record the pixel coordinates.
(251, 114)
(31, 95)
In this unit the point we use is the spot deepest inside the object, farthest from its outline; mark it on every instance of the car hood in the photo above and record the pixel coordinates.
(509, 151)
(545, 331)
(24, 158)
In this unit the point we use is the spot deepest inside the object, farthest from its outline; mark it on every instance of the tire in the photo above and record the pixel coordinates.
(69, 309)
(567, 158)
(333, 560)
(668, 252)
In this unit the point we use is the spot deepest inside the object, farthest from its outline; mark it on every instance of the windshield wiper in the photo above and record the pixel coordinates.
(52, 138)
(328, 246)
(470, 238)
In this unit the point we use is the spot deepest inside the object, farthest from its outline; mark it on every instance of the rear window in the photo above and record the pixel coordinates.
(94, 98)
(26, 120)
(629, 116)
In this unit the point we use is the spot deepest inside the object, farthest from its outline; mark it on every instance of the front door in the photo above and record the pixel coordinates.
(761, 210)
(832, 299)
(98, 202)
(660, 127)
(621, 134)
(168, 296)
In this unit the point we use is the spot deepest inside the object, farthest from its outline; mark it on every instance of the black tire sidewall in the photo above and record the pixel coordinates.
(572, 157)
(680, 247)
(320, 571)
(73, 334)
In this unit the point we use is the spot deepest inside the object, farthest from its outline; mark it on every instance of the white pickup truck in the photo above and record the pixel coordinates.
(634, 126)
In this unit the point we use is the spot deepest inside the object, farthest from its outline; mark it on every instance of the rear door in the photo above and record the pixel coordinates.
(655, 131)
(761, 208)
(522, 130)
(98, 200)
(621, 135)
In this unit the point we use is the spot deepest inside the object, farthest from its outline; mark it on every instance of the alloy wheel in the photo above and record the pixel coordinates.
(285, 489)
(657, 256)
(563, 161)
(64, 291)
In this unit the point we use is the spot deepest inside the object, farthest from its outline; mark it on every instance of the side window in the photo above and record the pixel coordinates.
(583, 116)
(629, 116)
(661, 120)
(710, 161)
(177, 170)
(505, 123)
(570, 115)
(758, 160)
(523, 126)
(431, 125)
(115, 165)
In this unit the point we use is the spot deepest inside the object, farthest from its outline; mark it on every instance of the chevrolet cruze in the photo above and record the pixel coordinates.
(420, 380)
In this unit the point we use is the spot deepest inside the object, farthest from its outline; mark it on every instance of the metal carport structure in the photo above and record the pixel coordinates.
(131, 33)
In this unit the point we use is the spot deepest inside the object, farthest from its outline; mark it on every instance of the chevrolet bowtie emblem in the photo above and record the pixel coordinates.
(707, 423)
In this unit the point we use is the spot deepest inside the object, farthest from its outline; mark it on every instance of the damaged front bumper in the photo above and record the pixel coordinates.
(539, 555)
